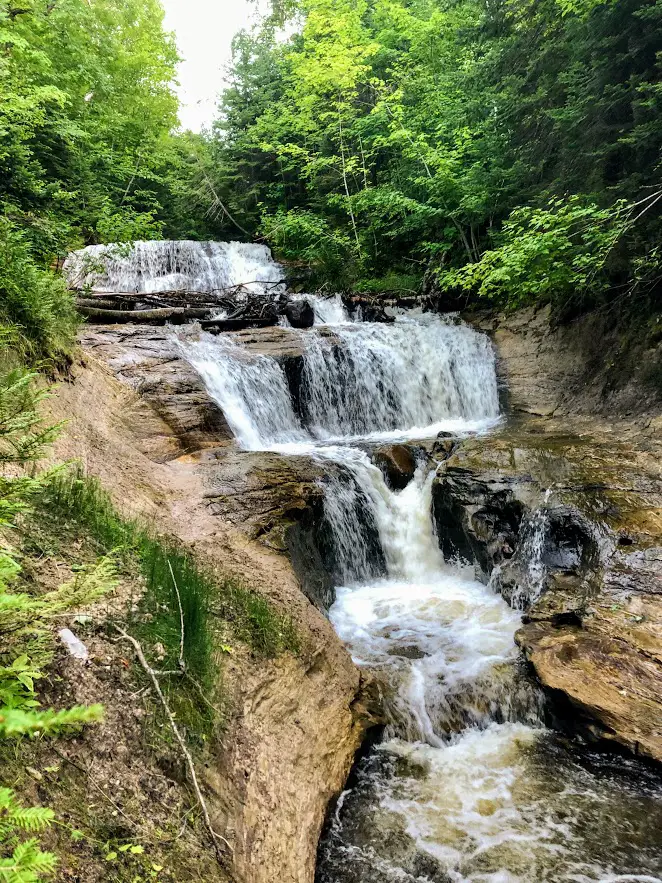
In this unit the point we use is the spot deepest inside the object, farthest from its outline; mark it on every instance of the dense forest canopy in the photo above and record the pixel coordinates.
(512, 147)
(88, 147)
(508, 150)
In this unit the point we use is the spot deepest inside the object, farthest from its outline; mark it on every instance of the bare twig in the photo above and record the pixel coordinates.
(182, 664)
(215, 837)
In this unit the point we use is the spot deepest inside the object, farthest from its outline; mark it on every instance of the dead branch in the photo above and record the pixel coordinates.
(215, 837)
(158, 316)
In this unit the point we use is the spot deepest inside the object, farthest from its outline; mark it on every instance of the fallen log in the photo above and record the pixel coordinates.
(175, 315)
(105, 303)
(217, 325)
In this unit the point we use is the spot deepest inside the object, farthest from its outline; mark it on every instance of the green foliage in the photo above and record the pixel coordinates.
(33, 301)
(128, 225)
(88, 107)
(88, 151)
(25, 862)
(304, 236)
(545, 255)
(390, 130)
(26, 623)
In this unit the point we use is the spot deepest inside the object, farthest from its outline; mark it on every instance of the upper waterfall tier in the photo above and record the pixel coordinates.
(408, 379)
(152, 267)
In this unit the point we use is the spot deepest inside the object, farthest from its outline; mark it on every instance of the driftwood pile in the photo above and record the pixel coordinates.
(243, 307)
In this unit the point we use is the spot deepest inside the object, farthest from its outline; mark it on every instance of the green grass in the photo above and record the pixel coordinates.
(218, 610)
(211, 603)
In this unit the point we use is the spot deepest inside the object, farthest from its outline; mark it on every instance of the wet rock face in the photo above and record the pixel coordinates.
(573, 528)
(477, 519)
(398, 464)
(147, 360)
(300, 314)
(279, 501)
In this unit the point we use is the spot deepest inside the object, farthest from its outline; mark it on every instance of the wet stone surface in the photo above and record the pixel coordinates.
(570, 529)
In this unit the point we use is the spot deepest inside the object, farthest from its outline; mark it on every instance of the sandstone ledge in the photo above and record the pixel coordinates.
(594, 637)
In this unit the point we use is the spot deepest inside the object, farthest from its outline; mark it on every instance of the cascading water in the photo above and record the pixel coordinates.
(152, 267)
(328, 310)
(251, 390)
(373, 377)
(467, 785)
(364, 381)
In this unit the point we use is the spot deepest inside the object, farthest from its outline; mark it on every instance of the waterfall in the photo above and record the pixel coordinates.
(251, 390)
(372, 378)
(408, 379)
(328, 310)
(467, 785)
(152, 267)
(443, 641)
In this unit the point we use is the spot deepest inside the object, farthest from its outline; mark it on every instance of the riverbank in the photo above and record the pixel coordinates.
(154, 416)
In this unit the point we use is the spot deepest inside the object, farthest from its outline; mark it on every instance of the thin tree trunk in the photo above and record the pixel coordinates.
(344, 177)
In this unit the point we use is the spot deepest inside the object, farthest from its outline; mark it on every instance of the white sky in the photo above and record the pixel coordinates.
(204, 30)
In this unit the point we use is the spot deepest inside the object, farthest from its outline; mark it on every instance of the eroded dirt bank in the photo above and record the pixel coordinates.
(294, 723)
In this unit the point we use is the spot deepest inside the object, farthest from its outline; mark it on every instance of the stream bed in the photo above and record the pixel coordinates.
(466, 783)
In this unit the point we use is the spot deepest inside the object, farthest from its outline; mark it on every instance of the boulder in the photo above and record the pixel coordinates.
(300, 314)
(398, 463)
(369, 309)
(587, 511)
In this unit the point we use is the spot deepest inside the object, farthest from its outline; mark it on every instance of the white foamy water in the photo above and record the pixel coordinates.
(409, 379)
(437, 636)
(179, 265)
(250, 389)
(374, 377)
(328, 310)
(468, 784)
(469, 788)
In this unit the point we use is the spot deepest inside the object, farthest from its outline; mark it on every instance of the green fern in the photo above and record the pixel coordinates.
(26, 862)
(26, 633)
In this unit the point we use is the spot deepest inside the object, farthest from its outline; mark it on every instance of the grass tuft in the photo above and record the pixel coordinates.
(215, 607)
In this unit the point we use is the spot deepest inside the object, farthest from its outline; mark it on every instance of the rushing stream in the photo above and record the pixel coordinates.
(466, 784)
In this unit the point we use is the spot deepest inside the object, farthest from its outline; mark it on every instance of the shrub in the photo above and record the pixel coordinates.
(545, 255)
(34, 301)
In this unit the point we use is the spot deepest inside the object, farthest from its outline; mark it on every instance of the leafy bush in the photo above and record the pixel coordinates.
(33, 302)
(545, 255)
(302, 236)
(398, 283)
(128, 225)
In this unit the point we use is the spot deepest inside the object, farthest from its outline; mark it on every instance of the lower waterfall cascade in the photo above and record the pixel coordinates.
(467, 782)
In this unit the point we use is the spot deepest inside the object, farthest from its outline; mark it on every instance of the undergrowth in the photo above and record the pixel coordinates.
(217, 610)
(71, 516)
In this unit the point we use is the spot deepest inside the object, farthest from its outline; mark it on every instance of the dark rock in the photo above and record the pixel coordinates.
(369, 309)
(593, 628)
(476, 520)
(300, 314)
(398, 463)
